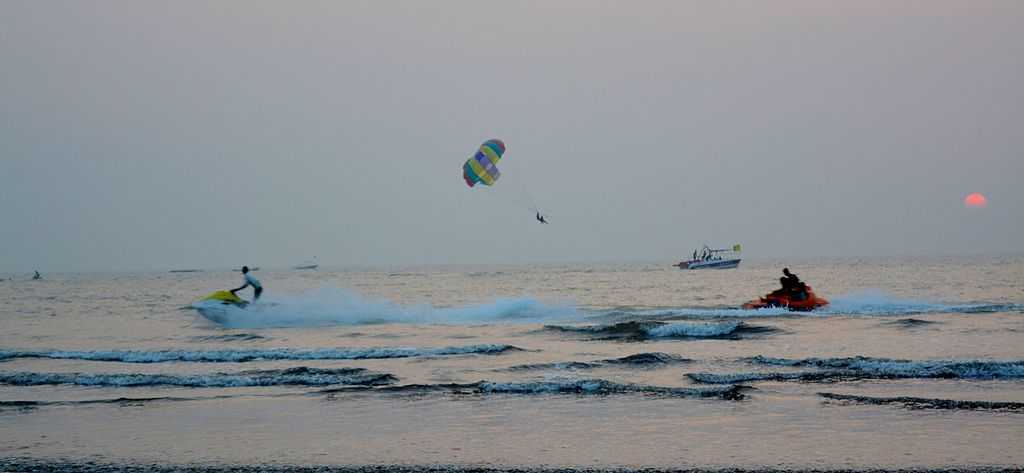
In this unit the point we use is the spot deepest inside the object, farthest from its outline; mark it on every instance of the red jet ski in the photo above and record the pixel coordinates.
(800, 300)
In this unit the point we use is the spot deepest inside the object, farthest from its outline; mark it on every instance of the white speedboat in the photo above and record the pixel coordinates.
(708, 258)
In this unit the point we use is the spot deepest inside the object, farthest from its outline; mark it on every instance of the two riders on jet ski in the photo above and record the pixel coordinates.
(794, 295)
(792, 286)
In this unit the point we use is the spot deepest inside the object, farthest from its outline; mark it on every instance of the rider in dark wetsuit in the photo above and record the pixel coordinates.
(789, 280)
(793, 285)
(540, 218)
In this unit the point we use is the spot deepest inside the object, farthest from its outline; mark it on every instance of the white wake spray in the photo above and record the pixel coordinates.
(876, 302)
(332, 306)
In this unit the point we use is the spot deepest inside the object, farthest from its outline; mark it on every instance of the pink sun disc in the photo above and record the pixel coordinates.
(976, 200)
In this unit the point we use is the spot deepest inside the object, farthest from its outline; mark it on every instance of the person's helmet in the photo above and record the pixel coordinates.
(785, 271)
(245, 269)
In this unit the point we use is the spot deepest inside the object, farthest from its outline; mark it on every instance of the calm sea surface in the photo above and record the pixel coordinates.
(580, 365)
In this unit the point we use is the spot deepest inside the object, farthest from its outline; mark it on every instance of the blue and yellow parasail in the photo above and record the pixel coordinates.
(483, 166)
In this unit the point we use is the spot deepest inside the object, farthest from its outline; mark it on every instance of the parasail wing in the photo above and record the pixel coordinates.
(483, 165)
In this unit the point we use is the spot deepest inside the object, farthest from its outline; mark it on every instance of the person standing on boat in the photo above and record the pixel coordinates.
(250, 280)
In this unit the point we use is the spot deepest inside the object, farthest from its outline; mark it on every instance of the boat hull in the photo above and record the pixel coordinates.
(786, 301)
(713, 264)
(226, 298)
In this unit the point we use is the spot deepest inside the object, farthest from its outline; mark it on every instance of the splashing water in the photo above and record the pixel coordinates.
(876, 302)
(332, 306)
(864, 303)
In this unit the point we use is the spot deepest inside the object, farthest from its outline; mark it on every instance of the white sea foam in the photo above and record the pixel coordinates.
(876, 302)
(694, 330)
(701, 313)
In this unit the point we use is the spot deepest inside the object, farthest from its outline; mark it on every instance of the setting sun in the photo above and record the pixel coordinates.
(976, 200)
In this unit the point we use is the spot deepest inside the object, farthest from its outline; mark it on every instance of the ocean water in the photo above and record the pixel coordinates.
(916, 363)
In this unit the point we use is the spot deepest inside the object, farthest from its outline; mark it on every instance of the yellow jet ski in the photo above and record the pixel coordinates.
(226, 298)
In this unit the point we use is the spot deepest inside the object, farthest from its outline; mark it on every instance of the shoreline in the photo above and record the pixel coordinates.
(25, 464)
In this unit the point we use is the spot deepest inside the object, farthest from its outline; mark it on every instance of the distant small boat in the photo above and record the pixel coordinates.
(185, 271)
(707, 258)
(307, 265)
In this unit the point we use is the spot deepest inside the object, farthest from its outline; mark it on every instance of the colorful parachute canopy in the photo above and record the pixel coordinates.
(483, 166)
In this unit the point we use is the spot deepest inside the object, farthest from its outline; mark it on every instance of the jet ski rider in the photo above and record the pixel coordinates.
(250, 281)
(793, 285)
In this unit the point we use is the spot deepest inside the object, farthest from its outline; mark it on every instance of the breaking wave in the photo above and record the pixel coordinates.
(911, 323)
(636, 330)
(564, 365)
(578, 386)
(599, 386)
(233, 337)
(968, 369)
(926, 403)
(637, 360)
(845, 369)
(695, 330)
(299, 376)
(328, 307)
(120, 401)
(240, 356)
(653, 358)
(806, 376)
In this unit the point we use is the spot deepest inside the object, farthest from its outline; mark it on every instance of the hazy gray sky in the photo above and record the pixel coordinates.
(155, 135)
